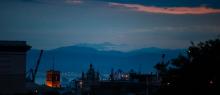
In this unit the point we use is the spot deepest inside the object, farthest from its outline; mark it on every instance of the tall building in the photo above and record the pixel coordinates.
(12, 66)
(53, 79)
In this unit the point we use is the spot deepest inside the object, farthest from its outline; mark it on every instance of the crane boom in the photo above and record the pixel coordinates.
(37, 65)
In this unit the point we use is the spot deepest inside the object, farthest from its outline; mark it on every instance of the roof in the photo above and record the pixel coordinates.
(14, 46)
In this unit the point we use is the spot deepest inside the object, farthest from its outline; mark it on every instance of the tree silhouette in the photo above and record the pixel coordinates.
(195, 73)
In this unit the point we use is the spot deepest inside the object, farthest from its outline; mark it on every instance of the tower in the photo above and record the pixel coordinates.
(53, 78)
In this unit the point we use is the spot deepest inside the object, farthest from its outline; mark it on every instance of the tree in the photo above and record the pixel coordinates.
(195, 73)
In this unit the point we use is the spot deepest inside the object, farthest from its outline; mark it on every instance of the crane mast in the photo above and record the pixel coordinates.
(37, 65)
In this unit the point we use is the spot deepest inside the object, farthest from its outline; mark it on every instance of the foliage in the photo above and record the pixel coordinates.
(195, 73)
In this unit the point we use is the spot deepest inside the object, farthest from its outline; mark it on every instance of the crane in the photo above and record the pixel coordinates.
(32, 72)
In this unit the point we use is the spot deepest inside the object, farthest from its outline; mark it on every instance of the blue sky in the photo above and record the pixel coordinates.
(118, 24)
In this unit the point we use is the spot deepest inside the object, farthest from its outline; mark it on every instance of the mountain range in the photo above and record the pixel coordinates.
(73, 60)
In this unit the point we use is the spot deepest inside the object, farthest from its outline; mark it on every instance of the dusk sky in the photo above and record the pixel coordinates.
(112, 24)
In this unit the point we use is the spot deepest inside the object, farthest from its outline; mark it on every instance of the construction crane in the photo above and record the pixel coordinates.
(32, 73)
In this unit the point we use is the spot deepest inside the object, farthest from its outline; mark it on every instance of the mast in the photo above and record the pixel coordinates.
(37, 66)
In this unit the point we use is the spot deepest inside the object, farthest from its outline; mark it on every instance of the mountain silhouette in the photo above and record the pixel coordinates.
(73, 60)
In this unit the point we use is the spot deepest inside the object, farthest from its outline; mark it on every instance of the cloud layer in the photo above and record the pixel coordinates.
(168, 10)
(74, 1)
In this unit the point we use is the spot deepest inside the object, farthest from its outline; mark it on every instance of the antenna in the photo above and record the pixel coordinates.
(162, 58)
(53, 62)
(139, 68)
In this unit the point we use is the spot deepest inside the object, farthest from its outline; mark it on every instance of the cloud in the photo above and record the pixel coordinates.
(74, 1)
(194, 28)
(101, 46)
(168, 10)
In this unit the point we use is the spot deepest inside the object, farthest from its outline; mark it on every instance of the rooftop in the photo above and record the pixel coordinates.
(11, 46)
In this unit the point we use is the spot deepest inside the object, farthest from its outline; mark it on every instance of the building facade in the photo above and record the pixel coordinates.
(53, 79)
(12, 66)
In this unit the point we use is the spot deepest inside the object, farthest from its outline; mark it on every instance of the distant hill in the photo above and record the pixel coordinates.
(72, 60)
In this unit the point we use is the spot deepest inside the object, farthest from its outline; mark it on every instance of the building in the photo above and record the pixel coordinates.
(119, 83)
(91, 74)
(12, 66)
(53, 79)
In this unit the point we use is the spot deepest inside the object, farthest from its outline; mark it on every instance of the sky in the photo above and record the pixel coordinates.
(112, 24)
